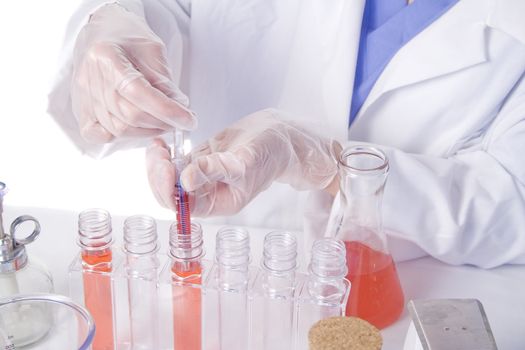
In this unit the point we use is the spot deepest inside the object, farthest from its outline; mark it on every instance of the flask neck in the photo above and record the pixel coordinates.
(94, 230)
(363, 173)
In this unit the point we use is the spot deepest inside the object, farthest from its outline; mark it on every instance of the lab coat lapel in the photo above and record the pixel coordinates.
(320, 75)
(454, 42)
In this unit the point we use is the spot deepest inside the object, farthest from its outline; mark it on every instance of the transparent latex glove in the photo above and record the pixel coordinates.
(121, 86)
(229, 170)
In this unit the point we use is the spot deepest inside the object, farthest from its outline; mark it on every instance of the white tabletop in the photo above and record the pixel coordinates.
(501, 290)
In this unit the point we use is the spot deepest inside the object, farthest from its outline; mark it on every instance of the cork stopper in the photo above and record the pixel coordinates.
(344, 333)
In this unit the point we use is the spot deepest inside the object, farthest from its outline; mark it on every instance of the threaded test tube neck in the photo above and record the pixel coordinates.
(185, 246)
(328, 259)
(94, 229)
(140, 235)
(232, 248)
(280, 252)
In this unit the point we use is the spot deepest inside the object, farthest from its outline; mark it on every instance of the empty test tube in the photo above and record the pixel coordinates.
(277, 283)
(95, 240)
(233, 258)
(326, 290)
(141, 266)
(186, 252)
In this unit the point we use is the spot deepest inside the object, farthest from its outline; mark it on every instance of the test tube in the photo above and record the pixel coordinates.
(233, 258)
(325, 292)
(186, 252)
(273, 301)
(95, 240)
(140, 272)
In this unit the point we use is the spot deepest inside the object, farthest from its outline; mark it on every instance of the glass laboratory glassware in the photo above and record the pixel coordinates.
(325, 292)
(376, 294)
(186, 269)
(135, 286)
(273, 294)
(20, 274)
(68, 326)
(91, 272)
(226, 325)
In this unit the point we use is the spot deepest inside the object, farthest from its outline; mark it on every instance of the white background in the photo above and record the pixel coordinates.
(39, 164)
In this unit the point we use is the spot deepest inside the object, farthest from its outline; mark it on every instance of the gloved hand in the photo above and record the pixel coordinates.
(121, 85)
(229, 170)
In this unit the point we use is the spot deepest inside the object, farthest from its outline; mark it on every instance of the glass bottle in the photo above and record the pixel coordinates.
(91, 273)
(186, 270)
(20, 274)
(233, 258)
(273, 294)
(326, 290)
(135, 286)
(376, 295)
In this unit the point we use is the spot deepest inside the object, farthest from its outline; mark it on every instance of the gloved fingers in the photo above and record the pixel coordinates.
(155, 69)
(122, 130)
(223, 167)
(130, 114)
(140, 92)
(100, 102)
(202, 201)
(217, 199)
(90, 128)
(222, 142)
(121, 108)
(161, 173)
(111, 70)
(201, 150)
(120, 74)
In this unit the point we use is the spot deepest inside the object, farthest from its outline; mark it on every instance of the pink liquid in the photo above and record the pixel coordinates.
(97, 296)
(186, 307)
(375, 294)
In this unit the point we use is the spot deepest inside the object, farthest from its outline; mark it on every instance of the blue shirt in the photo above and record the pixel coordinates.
(387, 26)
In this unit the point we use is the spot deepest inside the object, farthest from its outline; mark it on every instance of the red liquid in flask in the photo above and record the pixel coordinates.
(375, 293)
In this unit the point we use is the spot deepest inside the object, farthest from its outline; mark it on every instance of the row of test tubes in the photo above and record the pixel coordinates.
(141, 299)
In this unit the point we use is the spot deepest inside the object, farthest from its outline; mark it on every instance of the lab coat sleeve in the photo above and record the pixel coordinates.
(169, 19)
(468, 208)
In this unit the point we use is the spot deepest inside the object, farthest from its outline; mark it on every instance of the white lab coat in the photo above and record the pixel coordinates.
(449, 109)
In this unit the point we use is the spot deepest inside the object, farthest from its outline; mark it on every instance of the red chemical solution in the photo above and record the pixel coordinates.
(97, 295)
(375, 294)
(182, 205)
(186, 305)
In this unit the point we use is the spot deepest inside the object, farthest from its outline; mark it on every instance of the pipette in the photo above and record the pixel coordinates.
(182, 204)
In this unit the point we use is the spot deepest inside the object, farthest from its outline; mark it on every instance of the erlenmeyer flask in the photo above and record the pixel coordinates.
(375, 293)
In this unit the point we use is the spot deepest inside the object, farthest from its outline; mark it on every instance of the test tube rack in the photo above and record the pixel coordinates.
(197, 311)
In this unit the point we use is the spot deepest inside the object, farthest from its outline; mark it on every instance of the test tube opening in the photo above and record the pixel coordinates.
(140, 235)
